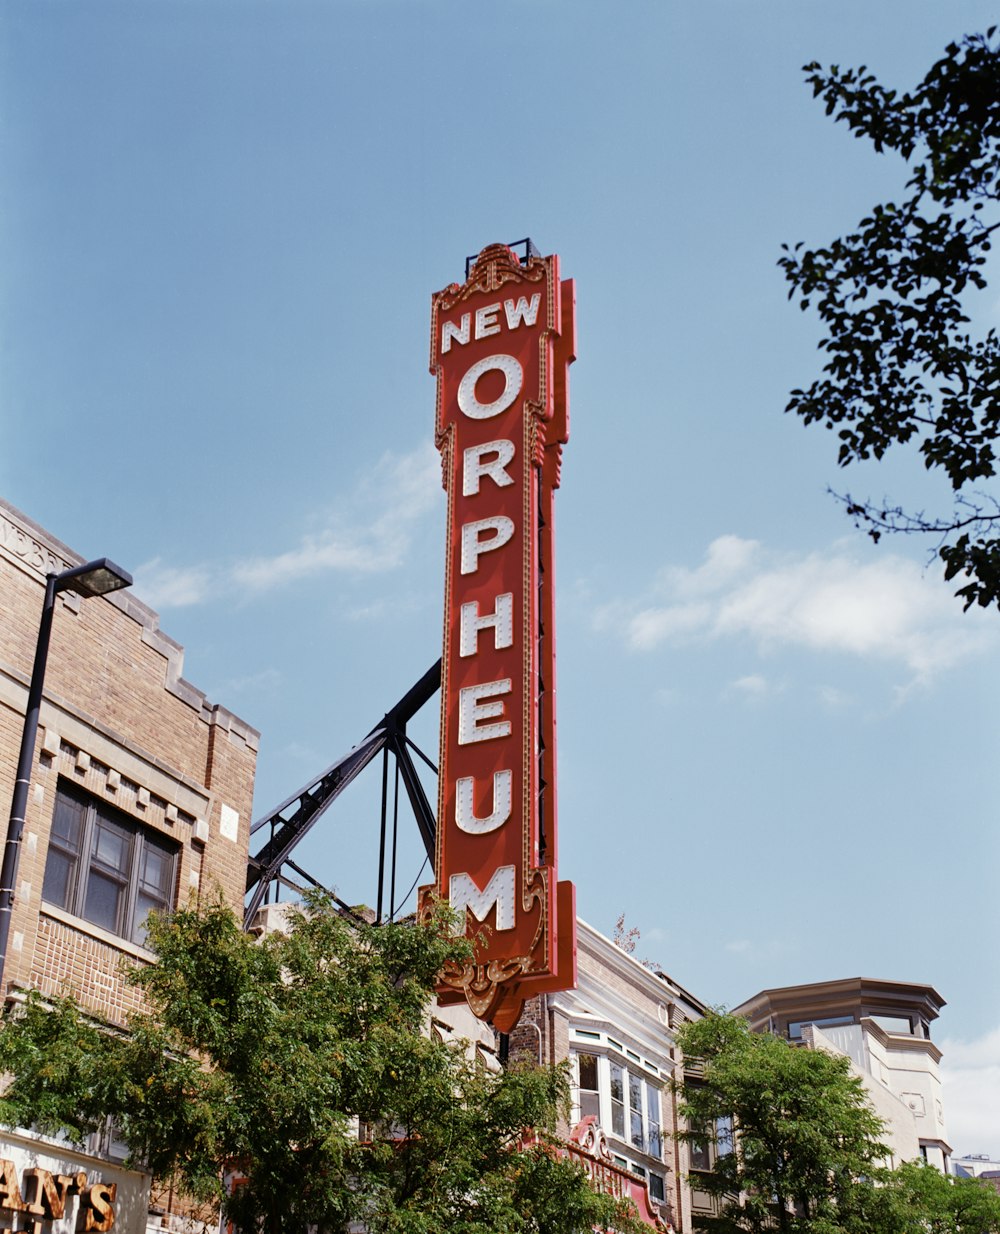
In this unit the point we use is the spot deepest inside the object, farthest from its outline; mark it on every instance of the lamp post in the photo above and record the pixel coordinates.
(95, 578)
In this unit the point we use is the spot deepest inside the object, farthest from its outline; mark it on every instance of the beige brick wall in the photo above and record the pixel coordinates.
(119, 721)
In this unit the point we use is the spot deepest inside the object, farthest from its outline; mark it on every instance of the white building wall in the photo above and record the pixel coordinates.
(902, 1079)
(901, 1132)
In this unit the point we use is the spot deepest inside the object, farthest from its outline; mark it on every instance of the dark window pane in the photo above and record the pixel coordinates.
(143, 906)
(617, 1083)
(618, 1119)
(637, 1138)
(157, 869)
(67, 822)
(103, 901)
(700, 1159)
(833, 1021)
(112, 846)
(156, 884)
(635, 1093)
(106, 868)
(58, 884)
(656, 1186)
(588, 1071)
(894, 1023)
(590, 1103)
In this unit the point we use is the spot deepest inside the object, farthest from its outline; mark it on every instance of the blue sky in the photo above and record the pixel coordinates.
(222, 223)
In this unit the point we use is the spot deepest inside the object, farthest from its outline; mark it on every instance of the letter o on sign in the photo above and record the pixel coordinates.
(513, 380)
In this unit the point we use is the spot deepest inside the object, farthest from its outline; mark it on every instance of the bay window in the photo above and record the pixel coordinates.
(623, 1099)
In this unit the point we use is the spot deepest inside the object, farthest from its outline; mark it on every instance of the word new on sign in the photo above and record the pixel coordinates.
(501, 347)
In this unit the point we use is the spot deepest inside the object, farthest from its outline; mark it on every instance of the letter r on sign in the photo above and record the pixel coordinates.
(473, 467)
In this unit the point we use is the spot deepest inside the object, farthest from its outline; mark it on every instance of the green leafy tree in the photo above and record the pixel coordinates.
(805, 1135)
(946, 1205)
(299, 1061)
(915, 1198)
(903, 367)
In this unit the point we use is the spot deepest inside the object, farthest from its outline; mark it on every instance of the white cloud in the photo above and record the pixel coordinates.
(163, 586)
(652, 626)
(752, 686)
(826, 601)
(970, 1075)
(399, 490)
(265, 679)
(728, 558)
(368, 531)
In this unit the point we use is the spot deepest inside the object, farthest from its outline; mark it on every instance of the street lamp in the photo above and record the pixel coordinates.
(95, 578)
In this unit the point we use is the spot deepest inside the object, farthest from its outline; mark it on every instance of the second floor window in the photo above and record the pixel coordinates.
(625, 1094)
(105, 867)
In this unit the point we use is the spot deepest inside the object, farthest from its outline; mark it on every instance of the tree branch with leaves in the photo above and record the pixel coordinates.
(300, 1062)
(805, 1133)
(903, 367)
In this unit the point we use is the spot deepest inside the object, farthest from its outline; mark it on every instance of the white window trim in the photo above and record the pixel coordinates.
(645, 1074)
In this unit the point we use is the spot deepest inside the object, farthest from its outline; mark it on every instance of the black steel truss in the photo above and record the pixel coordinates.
(289, 822)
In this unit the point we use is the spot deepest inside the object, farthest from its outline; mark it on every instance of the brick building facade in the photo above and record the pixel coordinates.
(129, 757)
(141, 789)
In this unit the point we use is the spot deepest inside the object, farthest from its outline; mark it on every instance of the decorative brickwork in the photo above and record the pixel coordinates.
(68, 960)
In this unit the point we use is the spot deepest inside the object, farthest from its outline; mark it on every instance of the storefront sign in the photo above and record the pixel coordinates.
(501, 346)
(45, 1189)
(588, 1148)
(43, 1196)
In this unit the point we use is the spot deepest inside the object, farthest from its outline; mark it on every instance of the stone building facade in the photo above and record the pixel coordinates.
(884, 1027)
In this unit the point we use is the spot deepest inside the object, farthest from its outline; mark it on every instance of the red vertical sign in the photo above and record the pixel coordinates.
(501, 346)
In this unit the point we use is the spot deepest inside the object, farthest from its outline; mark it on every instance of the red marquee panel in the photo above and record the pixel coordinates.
(501, 346)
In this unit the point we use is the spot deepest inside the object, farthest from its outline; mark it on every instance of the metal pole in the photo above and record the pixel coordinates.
(22, 783)
(381, 843)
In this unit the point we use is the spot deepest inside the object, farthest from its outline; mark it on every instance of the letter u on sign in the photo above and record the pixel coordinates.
(503, 800)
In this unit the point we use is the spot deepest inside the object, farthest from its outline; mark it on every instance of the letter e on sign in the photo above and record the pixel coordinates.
(472, 710)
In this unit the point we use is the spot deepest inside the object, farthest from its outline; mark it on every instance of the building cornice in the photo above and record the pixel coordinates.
(901, 1041)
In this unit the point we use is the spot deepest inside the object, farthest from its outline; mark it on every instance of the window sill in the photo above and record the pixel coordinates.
(102, 936)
